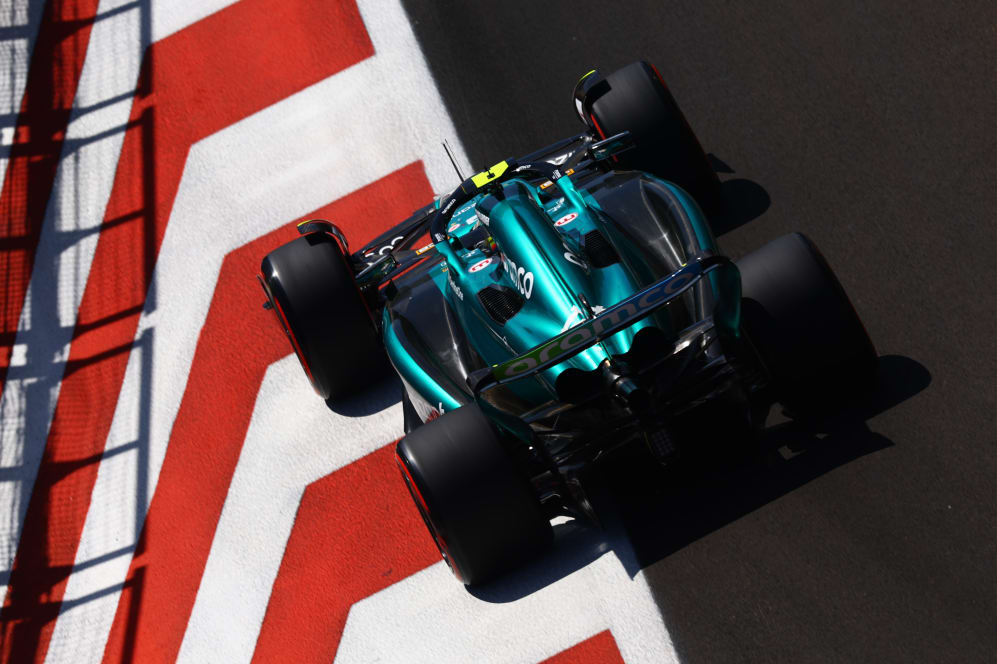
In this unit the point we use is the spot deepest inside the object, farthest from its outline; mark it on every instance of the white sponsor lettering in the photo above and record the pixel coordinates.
(456, 289)
(384, 249)
(520, 277)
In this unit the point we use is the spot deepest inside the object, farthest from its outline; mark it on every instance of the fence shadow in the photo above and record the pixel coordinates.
(45, 186)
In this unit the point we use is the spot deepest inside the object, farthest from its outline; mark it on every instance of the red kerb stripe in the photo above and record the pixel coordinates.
(49, 91)
(366, 545)
(599, 649)
(195, 84)
(204, 447)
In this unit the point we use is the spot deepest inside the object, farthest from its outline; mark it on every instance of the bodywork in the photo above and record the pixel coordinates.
(582, 307)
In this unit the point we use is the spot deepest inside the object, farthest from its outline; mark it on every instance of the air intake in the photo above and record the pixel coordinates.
(500, 302)
(598, 250)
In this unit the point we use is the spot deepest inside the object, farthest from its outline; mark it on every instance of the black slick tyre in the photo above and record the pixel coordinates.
(804, 327)
(311, 288)
(638, 101)
(480, 510)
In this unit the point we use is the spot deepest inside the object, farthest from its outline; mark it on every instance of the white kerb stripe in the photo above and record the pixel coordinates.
(431, 618)
(21, 18)
(81, 188)
(293, 440)
(293, 157)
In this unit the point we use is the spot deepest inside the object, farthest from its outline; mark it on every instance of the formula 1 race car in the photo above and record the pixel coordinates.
(570, 303)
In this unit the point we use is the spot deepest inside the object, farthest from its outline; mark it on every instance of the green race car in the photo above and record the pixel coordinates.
(570, 303)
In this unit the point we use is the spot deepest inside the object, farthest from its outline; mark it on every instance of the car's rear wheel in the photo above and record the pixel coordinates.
(310, 285)
(638, 101)
(481, 511)
(804, 327)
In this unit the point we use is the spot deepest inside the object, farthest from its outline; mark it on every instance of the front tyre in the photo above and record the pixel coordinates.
(803, 325)
(310, 284)
(481, 511)
(638, 101)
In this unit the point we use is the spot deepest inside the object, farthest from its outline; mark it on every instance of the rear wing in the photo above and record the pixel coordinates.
(584, 335)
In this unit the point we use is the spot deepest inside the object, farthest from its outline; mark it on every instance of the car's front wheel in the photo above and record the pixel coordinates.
(310, 285)
(638, 101)
(481, 511)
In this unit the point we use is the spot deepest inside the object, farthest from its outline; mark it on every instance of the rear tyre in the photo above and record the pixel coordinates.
(481, 511)
(311, 286)
(803, 325)
(665, 145)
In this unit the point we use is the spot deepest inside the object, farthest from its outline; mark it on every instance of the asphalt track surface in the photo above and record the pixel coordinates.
(868, 537)
(869, 127)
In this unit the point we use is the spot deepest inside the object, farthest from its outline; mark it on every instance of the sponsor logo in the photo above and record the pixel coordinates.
(585, 334)
(456, 289)
(566, 219)
(382, 250)
(524, 167)
(520, 277)
(481, 265)
(453, 227)
(557, 206)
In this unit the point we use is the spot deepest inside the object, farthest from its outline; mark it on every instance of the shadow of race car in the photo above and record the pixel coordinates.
(569, 304)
